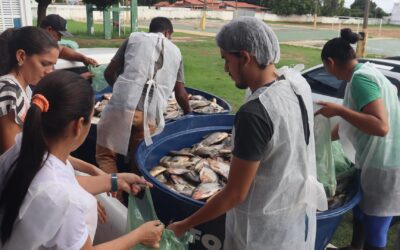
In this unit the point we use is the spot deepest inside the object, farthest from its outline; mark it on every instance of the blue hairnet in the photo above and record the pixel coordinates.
(251, 35)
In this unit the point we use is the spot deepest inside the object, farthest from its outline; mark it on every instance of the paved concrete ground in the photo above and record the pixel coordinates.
(296, 34)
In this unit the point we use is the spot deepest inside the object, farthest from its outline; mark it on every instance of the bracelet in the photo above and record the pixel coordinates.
(114, 182)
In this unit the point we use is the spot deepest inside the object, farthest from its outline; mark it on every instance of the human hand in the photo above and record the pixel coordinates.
(329, 109)
(87, 75)
(129, 182)
(150, 233)
(178, 228)
(101, 212)
(90, 61)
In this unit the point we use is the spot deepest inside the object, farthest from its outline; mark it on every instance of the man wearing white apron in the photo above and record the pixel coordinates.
(272, 192)
(151, 63)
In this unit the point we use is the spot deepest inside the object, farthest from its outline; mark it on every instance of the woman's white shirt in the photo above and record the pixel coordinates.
(57, 213)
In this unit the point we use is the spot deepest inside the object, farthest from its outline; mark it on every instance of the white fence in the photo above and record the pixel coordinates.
(78, 12)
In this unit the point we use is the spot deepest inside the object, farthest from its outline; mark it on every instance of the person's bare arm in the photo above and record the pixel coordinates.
(112, 71)
(85, 167)
(182, 97)
(372, 119)
(148, 234)
(70, 54)
(8, 130)
(127, 182)
(241, 177)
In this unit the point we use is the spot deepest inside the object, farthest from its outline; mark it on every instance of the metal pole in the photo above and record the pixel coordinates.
(203, 18)
(366, 14)
(361, 45)
(134, 16)
(315, 14)
(89, 19)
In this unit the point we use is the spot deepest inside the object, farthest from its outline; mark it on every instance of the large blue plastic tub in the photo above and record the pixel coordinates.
(87, 150)
(173, 206)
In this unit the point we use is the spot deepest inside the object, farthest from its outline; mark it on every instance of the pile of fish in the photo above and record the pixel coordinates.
(198, 103)
(345, 190)
(198, 172)
(201, 171)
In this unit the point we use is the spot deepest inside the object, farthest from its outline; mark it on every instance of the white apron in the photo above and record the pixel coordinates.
(377, 157)
(279, 212)
(142, 51)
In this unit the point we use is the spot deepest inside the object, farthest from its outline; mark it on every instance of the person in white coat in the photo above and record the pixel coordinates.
(272, 192)
(42, 205)
(145, 71)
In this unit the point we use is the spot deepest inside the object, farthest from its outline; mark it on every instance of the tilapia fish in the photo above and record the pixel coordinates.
(187, 170)
(201, 171)
(206, 190)
(198, 104)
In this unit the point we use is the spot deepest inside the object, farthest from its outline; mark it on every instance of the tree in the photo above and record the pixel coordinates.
(290, 7)
(331, 7)
(41, 10)
(357, 9)
(101, 4)
(379, 13)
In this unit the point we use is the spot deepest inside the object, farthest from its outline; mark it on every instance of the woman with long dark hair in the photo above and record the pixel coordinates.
(27, 54)
(371, 122)
(42, 206)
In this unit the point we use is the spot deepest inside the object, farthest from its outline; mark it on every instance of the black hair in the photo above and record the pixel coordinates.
(340, 48)
(70, 97)
(160, 24)
(32, 40)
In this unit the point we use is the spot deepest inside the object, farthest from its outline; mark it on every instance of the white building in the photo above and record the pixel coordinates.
(15, 13)
(395, 19)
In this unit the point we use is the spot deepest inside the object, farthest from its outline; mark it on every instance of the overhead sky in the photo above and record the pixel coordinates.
(386, 5)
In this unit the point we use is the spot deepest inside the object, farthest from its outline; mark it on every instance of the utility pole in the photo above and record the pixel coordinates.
(361, 45)
(315, 14)
(203, 18)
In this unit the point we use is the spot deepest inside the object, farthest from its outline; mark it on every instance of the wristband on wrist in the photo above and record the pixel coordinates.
(114, 182)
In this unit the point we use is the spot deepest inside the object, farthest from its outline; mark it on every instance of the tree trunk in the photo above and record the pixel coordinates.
(41, 10)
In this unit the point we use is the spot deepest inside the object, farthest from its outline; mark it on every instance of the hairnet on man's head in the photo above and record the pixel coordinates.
(251, 35)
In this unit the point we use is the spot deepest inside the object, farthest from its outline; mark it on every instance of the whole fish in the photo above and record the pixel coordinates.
(171, 164)
(192, 177)
(177, 171)
(207, 175)
(157, 170)
(220, 167)
(205, 190)
(214, 138)
(206, 151)
(184, 189)
(161, 178)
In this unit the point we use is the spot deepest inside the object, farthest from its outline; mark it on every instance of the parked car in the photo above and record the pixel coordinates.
(393, 58)
(326, 87)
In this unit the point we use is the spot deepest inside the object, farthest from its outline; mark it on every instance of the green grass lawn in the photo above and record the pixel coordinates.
(204, 69)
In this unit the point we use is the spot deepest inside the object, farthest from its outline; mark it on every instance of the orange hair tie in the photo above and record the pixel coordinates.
(41, 102)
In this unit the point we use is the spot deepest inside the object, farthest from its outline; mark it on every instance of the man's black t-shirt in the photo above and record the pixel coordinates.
(254, 129)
